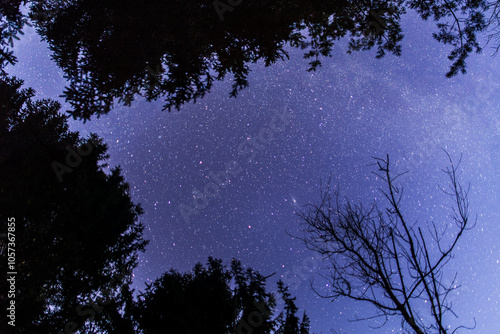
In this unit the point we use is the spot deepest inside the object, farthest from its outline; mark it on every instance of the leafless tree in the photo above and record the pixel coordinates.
(493, 25)
(379, 257)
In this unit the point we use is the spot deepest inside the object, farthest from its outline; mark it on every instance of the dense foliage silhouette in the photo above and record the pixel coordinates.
(116, 50)
(12, 22)
(77, 233)
(288, 321)
(216, 300)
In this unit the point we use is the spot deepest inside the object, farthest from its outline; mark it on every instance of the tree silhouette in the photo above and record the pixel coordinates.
(305, 324)
(11, 23)
(214, 300)
(459, 22)
(204, 302)
(379, 257)
(76, 229)
(115, 50)
(289, 322)
(493, 24)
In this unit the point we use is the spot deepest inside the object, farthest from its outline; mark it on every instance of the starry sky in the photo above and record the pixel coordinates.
(283, 136)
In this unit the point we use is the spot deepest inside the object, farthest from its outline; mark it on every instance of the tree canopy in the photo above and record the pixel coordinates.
(77, 229)
(115, 50)
(12, 22)
(216, 300)
(289, 322)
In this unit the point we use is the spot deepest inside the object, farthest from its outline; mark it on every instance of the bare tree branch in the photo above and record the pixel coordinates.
(377, 256)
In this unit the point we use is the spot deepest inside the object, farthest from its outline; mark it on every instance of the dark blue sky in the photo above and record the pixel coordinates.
(310, 125)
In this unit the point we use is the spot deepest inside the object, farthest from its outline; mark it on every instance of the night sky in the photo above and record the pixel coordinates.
(311, 125)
